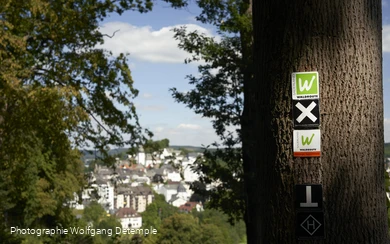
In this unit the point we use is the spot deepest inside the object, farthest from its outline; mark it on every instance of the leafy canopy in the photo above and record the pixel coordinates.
(200, 227)
(158, 146)
(217, 94)
(58, 91)
(53, 44)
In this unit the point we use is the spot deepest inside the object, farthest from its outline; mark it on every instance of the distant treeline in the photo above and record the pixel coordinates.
(121, 152)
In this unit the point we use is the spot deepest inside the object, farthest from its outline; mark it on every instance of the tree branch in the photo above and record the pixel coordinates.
(80, 103)
(113, 34)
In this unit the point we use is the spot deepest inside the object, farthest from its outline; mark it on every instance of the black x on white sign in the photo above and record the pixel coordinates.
(306, 113)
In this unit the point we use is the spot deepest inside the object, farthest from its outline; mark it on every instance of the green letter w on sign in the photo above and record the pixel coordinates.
(307, 141)
(306, 83)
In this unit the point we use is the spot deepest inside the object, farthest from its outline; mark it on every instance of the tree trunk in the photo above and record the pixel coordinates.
(341, 39)
(246, 37)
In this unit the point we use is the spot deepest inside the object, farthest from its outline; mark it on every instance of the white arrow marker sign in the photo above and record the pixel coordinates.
(308, 203)
(306, 112)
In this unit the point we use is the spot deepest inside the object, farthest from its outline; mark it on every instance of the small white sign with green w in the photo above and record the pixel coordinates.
(305, 85)
(307, 143)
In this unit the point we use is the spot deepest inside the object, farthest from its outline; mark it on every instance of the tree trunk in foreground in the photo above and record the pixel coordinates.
(341, 39)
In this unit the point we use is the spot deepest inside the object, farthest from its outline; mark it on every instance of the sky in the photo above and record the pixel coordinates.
(157, 64)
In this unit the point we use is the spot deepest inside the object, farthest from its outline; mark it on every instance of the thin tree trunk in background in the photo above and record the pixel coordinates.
(341, 39)
(246, 37)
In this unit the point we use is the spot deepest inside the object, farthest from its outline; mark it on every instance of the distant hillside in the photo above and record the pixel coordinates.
(90, 154)
(189, 148)
(387, 150)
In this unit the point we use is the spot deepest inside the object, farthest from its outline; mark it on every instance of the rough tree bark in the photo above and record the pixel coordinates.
(341, 39)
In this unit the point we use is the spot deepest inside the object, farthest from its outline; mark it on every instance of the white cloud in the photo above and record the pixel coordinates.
(144, 43)
(386, 38)
(384, 3)
(150, 107)
(387, 129)
(147, 95)
(189, 126)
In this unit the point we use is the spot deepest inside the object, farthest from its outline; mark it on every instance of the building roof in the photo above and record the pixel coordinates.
(152, 157)
(173, 198)
(127, 213)
(134, 190)
(188, 206)
(171, 186)
(150, 172)
(169, 169)
(137, 167)
(100, 180)
(181, 187)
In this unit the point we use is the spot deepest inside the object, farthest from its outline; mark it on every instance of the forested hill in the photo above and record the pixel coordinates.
(387, 150)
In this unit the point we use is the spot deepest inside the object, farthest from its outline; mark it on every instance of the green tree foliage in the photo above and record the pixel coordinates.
(387, 186)
(224, 166)
(184, 151)
(151, 146)
(55, 47)
(155, 212)
(39, 170)
(213, 234)
(180, 228)
(53, 44)
(151, 216)
(93, 213)
(218, 94)
(387, 150)
(58, 91)
(211, 218)
(136, 239)
(210, 226)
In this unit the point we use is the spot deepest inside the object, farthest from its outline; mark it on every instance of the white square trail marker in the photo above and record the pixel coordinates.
(307, 143)
(305, 85)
